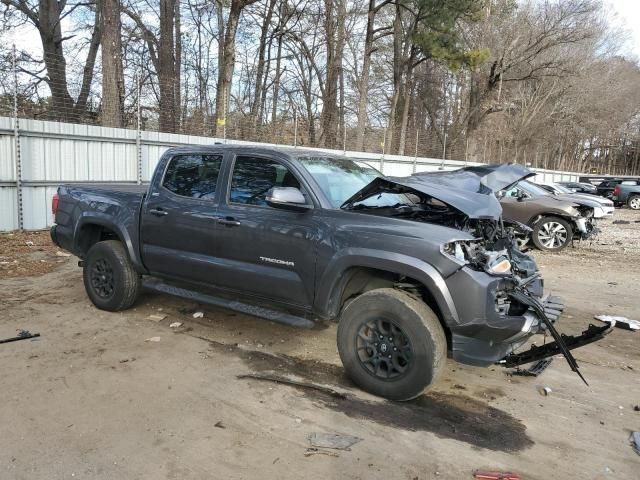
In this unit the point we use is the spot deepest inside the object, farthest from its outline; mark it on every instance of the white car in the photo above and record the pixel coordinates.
(602, 207)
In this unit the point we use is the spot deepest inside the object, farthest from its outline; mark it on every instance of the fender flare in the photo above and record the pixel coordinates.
(333, 280)
(107, 221)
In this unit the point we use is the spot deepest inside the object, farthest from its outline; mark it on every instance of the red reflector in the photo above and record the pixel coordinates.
(616, 190)
(54, 203)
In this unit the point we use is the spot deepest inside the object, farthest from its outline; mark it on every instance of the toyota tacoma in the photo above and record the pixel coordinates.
(411, 268)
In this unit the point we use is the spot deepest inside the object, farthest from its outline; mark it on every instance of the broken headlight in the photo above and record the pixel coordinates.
(474, 254)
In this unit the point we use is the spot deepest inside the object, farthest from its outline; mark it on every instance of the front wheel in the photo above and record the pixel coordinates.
(634, 202)
(109, 278)
(391, 344)
(552, 234)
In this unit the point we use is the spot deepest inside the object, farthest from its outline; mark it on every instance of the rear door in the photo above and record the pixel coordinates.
(264, 251)
(178, 231)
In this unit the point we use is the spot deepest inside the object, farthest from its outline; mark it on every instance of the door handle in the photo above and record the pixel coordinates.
(158, 212)
(230, 221)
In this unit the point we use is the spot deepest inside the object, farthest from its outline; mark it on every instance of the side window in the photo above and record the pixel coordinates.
(513, 192)
(193, 176)
(253, 177)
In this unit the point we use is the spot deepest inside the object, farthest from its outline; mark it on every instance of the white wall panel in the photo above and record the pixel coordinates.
(8, 209)
(60, 152)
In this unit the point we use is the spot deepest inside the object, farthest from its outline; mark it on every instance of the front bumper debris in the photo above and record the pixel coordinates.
(535, 353)
(563, 343)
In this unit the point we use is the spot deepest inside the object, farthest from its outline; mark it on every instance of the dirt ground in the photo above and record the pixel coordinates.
(92, 399)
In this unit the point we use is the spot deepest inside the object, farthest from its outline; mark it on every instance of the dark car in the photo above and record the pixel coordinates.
(605, 188)
(627, 192)
(580, 187)
(410, 267)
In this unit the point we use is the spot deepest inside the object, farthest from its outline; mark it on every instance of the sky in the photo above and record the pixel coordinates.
(626, 13)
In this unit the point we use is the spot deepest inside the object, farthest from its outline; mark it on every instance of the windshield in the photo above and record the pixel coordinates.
(532, 188)
(339, 178)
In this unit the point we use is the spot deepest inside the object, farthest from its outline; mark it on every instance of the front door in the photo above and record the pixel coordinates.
(265, 251)
(178, 231)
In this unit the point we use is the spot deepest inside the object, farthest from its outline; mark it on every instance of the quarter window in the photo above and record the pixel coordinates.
(193, 176)
(253, 177)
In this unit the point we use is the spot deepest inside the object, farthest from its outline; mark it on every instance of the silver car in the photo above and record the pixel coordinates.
(602, 207)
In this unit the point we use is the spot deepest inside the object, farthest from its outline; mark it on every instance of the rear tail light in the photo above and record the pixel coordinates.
(616, 190)
(54, 203)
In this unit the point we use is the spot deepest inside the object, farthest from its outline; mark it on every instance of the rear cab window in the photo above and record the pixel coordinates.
(193, 176)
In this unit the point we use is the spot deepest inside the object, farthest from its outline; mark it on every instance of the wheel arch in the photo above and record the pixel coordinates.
(354, 273)
(91, 229)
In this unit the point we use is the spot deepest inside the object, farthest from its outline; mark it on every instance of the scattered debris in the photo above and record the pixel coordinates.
(315, 451)
(621, 222)
(219, 425)
(489, 475)
(535, 369)
(153, 339)
(636, 408)
(156, 318)
(620, 322)
(337, 441)
(29, 243)
(198, 315)
(635, 441)
(612, 283)
(295, 383)
(175, 325)
(22, 335)
(544, 391)
(60, 253)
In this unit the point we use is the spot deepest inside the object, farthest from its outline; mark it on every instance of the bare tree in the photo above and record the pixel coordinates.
(227, 55)
(46, 16)
(112, 72)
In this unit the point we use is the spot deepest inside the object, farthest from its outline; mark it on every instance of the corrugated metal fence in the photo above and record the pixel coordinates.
(36, 156)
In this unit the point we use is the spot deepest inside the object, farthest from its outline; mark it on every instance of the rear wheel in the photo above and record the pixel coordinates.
(391, 344)
(109, 278)
(552, 234)
(634, 202)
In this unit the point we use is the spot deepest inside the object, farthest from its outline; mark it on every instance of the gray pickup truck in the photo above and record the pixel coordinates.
(410, 267)
(627, 191)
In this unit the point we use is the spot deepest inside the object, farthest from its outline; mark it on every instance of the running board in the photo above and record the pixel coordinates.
(256, 311)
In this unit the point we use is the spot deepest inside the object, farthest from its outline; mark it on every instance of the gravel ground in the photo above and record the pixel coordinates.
(25, 254)
(93, 399)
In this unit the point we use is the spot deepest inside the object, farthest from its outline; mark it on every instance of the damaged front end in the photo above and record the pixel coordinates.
(497, 290)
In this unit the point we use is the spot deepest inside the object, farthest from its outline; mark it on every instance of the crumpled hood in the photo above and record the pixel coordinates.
(470, 190)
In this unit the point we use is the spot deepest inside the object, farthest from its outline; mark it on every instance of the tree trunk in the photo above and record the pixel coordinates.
(260, 68)
(334, 31)
(177, 78)
(397, 78)
(112, 74)
(406, 103)
(363, 86)
(166, 67)
(47, 20)
(276, 84)
(227, 58)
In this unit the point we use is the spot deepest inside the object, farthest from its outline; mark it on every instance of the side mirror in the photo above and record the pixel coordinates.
(288, 198)
(521, 196)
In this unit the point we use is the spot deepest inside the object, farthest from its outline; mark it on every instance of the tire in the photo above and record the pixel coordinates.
(634, 202)
(109, 278)
(418, 351)
(552, 234)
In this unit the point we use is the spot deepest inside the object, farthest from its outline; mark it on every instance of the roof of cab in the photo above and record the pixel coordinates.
(258, 149)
